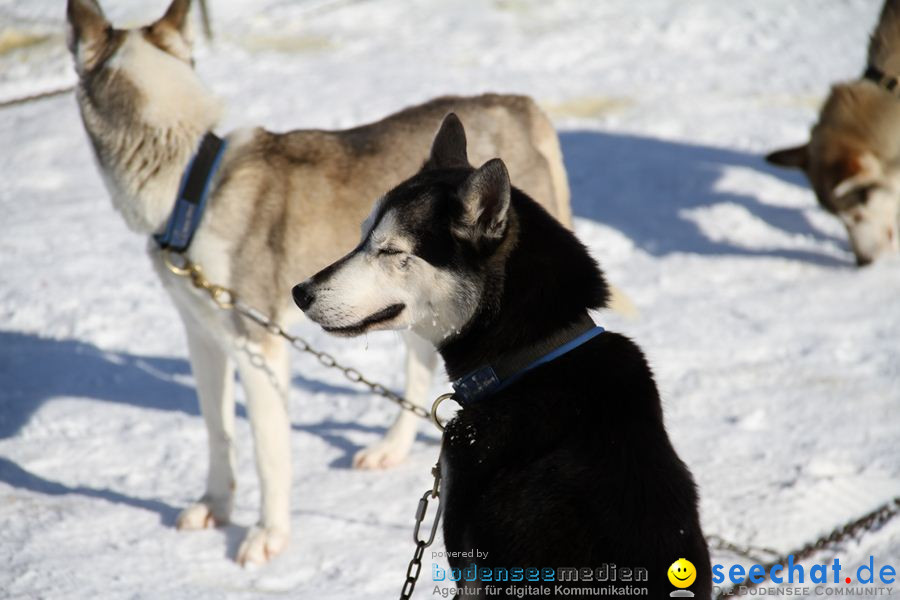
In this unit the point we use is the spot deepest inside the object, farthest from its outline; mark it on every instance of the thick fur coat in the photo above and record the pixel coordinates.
(569, 466)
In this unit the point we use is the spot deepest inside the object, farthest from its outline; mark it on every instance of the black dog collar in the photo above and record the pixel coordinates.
(192, 194)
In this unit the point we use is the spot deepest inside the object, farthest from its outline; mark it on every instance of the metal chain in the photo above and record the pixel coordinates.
(227, 299)
(415, 565)
(869, 522)
(258, 360)
(756, 554)
(35, 96)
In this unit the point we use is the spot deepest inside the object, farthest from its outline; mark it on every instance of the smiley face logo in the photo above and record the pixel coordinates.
(682, 573)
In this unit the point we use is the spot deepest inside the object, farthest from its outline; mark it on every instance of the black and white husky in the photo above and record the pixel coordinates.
(559, 456)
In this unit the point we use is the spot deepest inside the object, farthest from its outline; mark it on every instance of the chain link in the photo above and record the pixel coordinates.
(415, 565)
(228, 299)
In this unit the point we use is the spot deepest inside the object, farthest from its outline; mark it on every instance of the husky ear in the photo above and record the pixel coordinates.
(449, 146)
(86, 31)
(176, 16)
(485, 196)
(791, 158)
(857, 171)
(172, 32)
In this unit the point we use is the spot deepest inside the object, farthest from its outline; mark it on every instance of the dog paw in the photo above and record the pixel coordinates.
(262, 544)
(201, 515)
(383, 454)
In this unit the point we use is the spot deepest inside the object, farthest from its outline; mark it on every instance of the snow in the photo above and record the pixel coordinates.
(776, 357)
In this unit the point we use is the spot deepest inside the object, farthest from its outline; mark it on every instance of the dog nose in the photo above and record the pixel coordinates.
(303, 297)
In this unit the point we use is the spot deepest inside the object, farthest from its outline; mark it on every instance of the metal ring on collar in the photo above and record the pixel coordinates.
(179, 269)
(434, 408)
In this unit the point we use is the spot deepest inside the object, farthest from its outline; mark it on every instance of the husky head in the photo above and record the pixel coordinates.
(413, 267)
(447, 251)
(851, 161)
(142, 104)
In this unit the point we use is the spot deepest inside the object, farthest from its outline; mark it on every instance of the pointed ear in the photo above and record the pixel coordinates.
(485, 196)
(86, 30)
(449, 146)
(172, 32)
(791, 158)
(857, 171)
(176, 16)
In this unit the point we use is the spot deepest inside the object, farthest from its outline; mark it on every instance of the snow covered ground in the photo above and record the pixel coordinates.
(779, 361)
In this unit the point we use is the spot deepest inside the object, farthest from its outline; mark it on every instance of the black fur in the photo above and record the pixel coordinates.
(570, 466)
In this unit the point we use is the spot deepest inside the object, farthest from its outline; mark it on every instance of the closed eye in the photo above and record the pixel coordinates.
(389, 251)
(857, 196)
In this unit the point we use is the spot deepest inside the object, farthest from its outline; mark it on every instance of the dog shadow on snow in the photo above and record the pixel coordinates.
(34, 370)
(639, 186)
(643, 187)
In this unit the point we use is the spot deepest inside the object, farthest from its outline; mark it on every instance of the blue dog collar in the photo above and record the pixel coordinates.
(485, 381)
(192, 195)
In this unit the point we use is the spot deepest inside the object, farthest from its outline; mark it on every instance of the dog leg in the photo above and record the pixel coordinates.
(267, 389)
(421, 359)
(214, 374)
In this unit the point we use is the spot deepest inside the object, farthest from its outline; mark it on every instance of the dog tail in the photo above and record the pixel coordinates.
(547, 143)
(621, 304)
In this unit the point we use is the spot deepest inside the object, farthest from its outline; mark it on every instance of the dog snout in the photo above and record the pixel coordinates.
(303, 295)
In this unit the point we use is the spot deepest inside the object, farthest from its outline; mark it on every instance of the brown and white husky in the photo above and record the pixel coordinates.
(852, 158)
(281, 207)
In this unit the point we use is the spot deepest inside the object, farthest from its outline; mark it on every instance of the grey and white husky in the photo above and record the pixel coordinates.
(281, 207)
